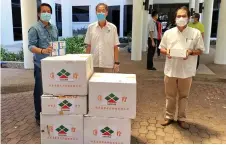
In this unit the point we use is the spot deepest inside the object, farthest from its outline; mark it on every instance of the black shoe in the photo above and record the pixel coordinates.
(38, 122)
(183, 124)
(152, 69)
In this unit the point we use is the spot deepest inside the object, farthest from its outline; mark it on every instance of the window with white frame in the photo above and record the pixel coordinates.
(80, 13)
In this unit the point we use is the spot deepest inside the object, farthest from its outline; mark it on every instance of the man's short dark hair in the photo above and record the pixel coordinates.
(184, 8)
(44, 4)
(196, 15)
(102, 4)
(154, 13)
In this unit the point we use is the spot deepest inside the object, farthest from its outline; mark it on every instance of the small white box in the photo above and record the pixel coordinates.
(67, 75)
(112, 95)
(62, 129)
(98, 130)
(59, 48)
(75, 105)
(178, 53)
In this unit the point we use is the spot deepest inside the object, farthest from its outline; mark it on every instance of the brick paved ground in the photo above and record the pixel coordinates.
(206, 112)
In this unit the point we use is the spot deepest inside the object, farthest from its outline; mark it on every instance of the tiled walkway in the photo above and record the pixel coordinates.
(206, 112)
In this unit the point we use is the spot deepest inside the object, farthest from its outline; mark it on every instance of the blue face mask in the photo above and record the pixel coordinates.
(101, 16)
(45, 17)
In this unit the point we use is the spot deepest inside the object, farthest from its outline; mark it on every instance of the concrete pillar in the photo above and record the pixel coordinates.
(197, 6)
(191, 4)
(6, 29)
(145, 30)
(145, 27)
(197, 2)
(28, 18)
(93, 16)
(121, 19)
(66, 6)
(220, 55)
(52, 4)
(137, 30)
(207, 21)
(197, 9)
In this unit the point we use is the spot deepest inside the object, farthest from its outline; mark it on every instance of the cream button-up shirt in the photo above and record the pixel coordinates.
(189, 38)
(102, 43)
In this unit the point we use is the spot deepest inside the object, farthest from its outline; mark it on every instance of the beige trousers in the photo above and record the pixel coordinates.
(174, 87)
(103, 70)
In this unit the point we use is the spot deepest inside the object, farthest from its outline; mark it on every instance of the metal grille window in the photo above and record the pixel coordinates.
(80, 13)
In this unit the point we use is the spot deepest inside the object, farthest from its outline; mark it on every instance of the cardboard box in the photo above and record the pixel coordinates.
(76, 105)
(59, 48)
(62, 129)
(67, 75)
(178, 53)
(99, 130)
(112, 95)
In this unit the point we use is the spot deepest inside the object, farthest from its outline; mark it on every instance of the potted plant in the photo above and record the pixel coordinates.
(129, 35)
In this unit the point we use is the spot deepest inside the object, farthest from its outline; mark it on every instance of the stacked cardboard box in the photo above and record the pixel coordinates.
(65, 87)
(112, 105)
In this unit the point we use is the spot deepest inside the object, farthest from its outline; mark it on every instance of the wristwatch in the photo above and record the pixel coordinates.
(118, 63)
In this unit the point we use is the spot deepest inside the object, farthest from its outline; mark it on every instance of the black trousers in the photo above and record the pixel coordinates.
(158, 50)
(38, 91)
(151, 53)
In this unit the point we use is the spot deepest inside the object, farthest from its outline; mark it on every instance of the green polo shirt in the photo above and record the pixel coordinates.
(198, 26)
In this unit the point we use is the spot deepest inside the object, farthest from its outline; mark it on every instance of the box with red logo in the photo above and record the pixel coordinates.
(100, 130)
(76, 105)
(67, 75)
(62, 129)
(112, 95)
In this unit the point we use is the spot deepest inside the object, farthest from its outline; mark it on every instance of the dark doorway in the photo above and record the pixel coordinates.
(128, 16)
(215, 17)
(168, 9)
(16, 16)
(114, 16)
(116, 19)
(58, 18)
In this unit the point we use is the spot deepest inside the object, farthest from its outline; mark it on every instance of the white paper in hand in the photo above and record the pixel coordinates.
(178, 53)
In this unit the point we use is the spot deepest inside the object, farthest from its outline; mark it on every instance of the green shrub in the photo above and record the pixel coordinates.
(81, 31)
(129, 35)
(75, 45)
(10, 56)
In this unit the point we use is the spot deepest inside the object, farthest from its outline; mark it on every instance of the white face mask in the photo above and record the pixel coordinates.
(181, 21)
(192, 20)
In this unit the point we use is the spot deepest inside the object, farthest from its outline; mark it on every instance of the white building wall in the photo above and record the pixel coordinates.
(67, 27)
(92, 4)
(121, 3)
(128, 2)
(7, 23)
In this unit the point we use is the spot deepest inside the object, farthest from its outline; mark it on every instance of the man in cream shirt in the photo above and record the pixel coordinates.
(102, 41)
(179, 71)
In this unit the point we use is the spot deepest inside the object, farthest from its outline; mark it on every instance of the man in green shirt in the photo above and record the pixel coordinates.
(194, 23)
